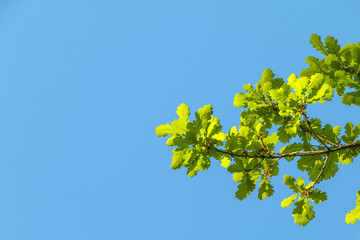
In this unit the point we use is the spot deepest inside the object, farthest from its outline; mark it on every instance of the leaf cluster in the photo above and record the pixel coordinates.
(274, 112)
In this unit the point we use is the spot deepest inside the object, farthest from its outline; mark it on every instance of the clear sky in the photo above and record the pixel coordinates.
(83, 85)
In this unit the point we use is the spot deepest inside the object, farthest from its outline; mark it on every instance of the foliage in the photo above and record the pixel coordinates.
(274, 112)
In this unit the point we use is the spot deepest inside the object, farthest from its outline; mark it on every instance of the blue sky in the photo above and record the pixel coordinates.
(85, 83)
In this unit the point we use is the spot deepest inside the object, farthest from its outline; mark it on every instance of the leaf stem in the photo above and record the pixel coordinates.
(321, 171)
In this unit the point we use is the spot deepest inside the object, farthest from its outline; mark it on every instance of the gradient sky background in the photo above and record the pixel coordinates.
(85, 83)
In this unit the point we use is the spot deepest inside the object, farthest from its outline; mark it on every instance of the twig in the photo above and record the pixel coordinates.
(274, 162)
(250, 169)
(319, 138)
(321, 171)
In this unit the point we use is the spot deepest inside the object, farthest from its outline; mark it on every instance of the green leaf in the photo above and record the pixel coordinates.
(356, 54)
(288, 201)
(266, 81)
(314, 163)
(180, 155)
(303, 212)
(182, 142)
(274, 170)
(348, 47)
(345, 156)
(280, 94)
(291, 182)
(240, 100)
(331, 167)
(234, 142)
(316, 82)
(316, 66)
(351, 98)
(277, 83)
(318, 196)
(284, 137)
(197, 162)
(315, 40)
(214, 133)
(292, 126)
(354, 214)
(301, 183)
(336, 130)
(342, 81)
(306, 163)
(298, 84)
(273, 139)
(308, 72)
(204, 115)
(325, 92)
(179, 126)
(351, 133)
(245, 187)
(266, 189)
(231, 138)
(332, 45)
(238, 167)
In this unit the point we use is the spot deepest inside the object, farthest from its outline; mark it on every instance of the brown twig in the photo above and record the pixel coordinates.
(250, 169)
(274, 162)
(319, 138)
(292, 154)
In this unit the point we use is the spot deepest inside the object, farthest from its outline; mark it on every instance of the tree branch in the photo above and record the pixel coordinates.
(292, 154)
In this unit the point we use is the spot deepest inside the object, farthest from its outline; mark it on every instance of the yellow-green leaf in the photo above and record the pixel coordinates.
(225, 162)
(288, 201)
(163, 130)
(183, 111)
(354, 214)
